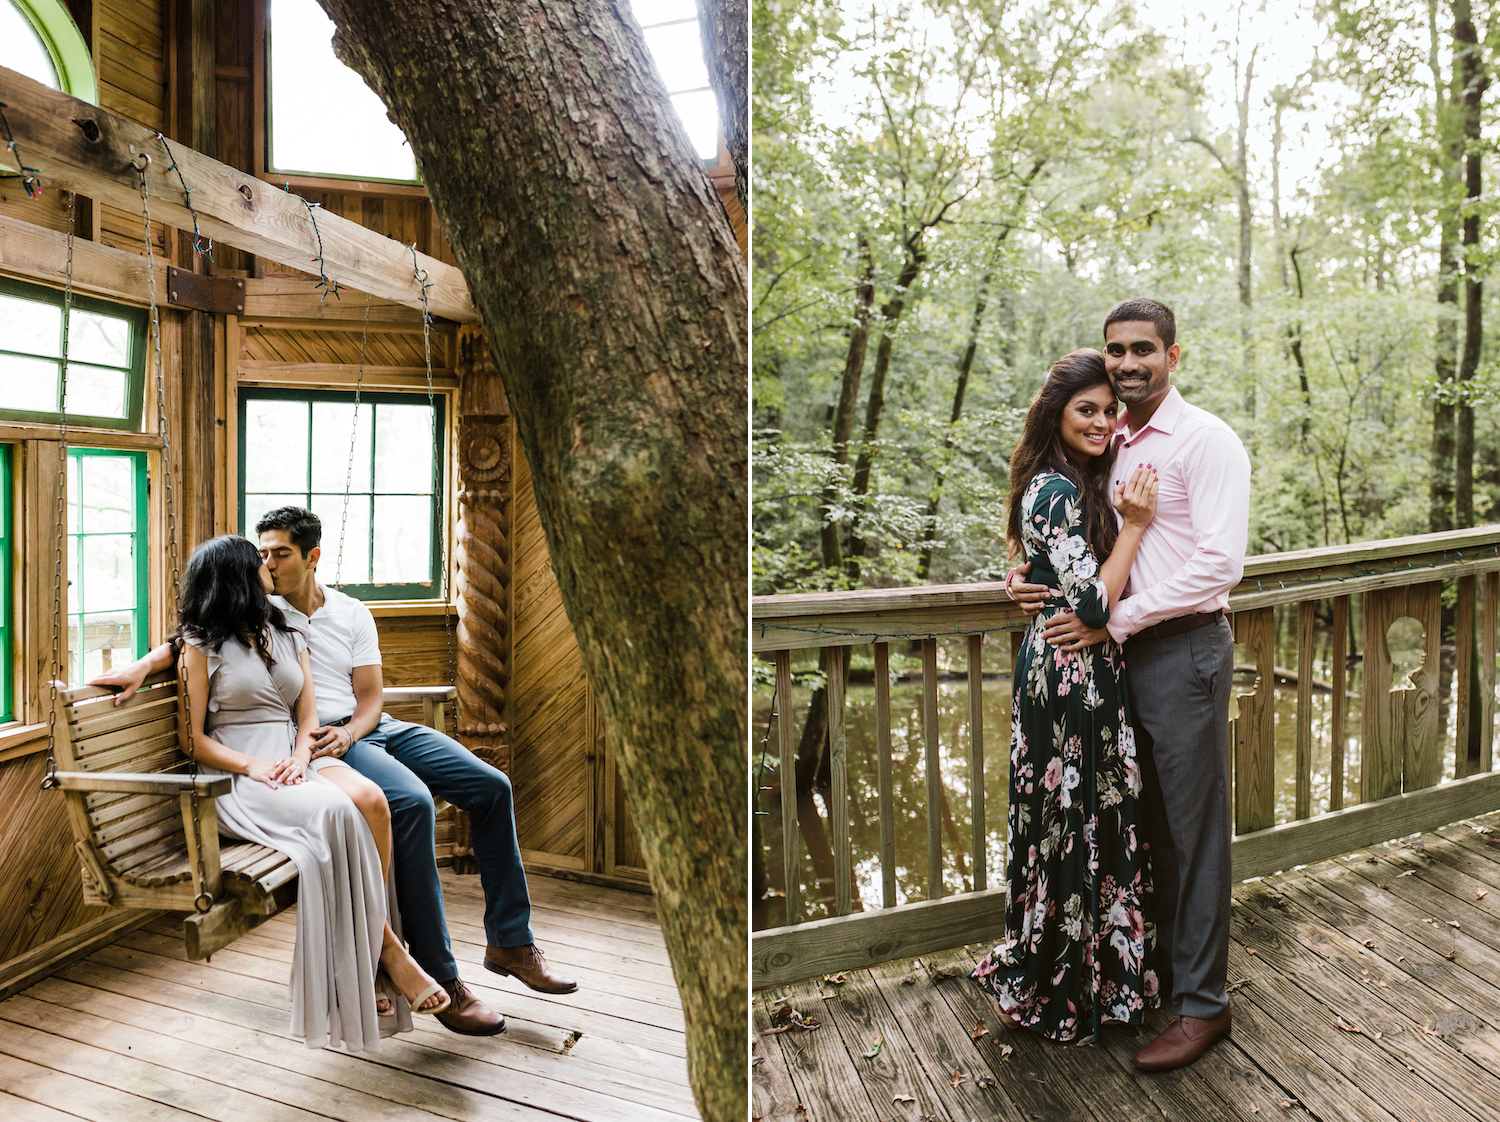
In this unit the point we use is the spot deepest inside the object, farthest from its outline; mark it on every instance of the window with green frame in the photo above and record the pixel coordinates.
(40, 39)
(7, 696)
(107, 561)
(106, 359)
(307, 448)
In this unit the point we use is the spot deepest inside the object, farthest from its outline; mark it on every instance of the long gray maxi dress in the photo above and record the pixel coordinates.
(341, 896)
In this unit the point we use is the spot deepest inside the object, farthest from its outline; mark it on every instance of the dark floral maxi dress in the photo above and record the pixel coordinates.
(1075, 791)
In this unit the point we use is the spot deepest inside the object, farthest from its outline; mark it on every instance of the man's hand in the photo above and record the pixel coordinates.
(1067, 632)
(127, 680)
(331, 740)
(1031, 597)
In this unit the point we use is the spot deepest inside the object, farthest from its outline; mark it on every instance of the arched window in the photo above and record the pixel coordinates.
(39, 39)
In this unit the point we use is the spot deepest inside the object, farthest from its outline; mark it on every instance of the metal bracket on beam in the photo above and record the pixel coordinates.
(222, 296)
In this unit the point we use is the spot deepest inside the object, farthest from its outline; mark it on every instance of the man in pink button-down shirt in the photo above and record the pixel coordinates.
(1179, 663)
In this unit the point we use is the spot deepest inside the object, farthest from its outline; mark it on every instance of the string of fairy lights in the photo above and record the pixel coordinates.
(202, 246)
(31, 178)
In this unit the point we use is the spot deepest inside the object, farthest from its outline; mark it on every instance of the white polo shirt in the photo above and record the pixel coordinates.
(341, 635)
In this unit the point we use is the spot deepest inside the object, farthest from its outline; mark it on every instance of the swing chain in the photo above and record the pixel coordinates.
(49, 780)
(353, 435)
(203, 901)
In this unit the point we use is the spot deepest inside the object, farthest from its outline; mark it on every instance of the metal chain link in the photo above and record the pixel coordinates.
(203, 901)
(353, 439)
(49, 780)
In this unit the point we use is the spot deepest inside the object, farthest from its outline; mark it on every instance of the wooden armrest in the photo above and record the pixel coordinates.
(398, 694)
(136, 783)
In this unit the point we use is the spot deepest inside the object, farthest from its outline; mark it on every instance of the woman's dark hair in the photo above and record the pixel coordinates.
(1041, 449)
(222, 597)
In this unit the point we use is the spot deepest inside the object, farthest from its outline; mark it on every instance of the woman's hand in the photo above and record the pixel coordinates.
(266, 772)
(1136, 499)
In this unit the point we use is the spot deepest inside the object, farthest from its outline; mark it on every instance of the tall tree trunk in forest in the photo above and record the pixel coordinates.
(843, 417)
(608, 277)
(725, 30)
(1445, 339)
(1468, 65)
(1282, 99)
(890, 313)
(1242, 192)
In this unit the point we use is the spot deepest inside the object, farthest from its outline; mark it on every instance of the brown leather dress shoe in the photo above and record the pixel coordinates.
(467, 1015)
(530, 966)
(1181, 1042)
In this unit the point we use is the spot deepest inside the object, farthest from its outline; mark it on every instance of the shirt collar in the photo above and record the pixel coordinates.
(1165, 418)
(285, 605)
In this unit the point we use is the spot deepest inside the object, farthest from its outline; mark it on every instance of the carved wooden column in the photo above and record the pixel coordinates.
(483, 556)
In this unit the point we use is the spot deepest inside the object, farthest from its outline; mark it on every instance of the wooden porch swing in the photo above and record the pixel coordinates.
(145, 823)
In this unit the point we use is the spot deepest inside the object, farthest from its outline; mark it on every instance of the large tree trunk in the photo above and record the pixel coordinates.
(615, 298)
(1469, 70)
(1242, 197)
(843, 417)
(1445, 340)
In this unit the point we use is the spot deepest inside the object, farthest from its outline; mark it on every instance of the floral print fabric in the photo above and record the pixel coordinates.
(1075, 790)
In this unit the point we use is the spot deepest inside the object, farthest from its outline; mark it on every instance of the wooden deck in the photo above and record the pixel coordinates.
(1366, 987)
(137, 1032)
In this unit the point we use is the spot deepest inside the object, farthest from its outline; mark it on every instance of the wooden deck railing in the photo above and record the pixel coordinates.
(1400, 735)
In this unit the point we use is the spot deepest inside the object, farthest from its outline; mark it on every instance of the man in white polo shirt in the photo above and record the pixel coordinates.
(410, 762)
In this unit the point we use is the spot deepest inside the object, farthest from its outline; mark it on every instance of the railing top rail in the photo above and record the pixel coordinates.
(861, 600)
(1383, 549)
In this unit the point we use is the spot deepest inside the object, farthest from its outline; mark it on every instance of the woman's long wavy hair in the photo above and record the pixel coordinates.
(222, 597)
(1041, 449)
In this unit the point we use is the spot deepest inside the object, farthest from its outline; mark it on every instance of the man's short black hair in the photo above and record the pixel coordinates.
(1144, 310)
(303, 526)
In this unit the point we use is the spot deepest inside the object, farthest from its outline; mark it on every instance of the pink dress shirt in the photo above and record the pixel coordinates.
(1193, 552)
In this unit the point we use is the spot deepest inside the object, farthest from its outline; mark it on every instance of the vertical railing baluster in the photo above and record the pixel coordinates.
(838, 811)
(1305, 635)
(1339, 737)
(887, 796)
(787, 768)
(1487, 672)
(930, 742)
(1463, 643)
(976, 760)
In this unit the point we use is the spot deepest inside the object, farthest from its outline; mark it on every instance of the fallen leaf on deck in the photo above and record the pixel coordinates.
(874, 1051)
(1382, 985)
(1006, 1051)
(901, 1099)
(1249, 921)
(1480, 893)
(1287, 1104)
(1400, 958)
(1450, 956)
(1371, 861)
(757, 1061)
(1232, 986)
(1378, 1035)
(835, 979)
(1085, 1042)
(957, 1077)
(1408, 873)
(978, 1030)
(941, 973)
(985, 1081)
(1384, 886)
(1453, 923)
(1348, 1027)
(1249, 950)
(1254, 1109)
(784, 1019)
(909, 980)
(801, 1111)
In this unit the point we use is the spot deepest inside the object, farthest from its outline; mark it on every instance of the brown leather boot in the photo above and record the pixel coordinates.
(467, 1015)
(1182, 1041)
(530, 966)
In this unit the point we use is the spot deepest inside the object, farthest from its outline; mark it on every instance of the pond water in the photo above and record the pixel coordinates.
(909, 771)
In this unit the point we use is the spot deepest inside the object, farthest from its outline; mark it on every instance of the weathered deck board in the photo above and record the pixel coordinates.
(137, 1032)
(1366, 941)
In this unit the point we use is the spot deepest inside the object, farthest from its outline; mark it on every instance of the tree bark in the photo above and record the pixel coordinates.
(1445, 338)
(615, 298)
(1472, 83)
(843, 417)
(725, 29)
(1242, 195)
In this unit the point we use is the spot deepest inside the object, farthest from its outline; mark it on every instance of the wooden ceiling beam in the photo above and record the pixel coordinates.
(79, 147)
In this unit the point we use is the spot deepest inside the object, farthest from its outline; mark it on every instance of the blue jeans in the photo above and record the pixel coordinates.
(411, 763)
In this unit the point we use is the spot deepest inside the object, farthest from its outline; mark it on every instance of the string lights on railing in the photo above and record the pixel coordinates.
(760, 769)
(31, 178)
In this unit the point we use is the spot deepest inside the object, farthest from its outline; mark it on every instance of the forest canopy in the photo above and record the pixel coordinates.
(950, 195)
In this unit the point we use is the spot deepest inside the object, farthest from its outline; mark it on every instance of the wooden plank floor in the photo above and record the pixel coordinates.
(137, 1032)
(1367, 987)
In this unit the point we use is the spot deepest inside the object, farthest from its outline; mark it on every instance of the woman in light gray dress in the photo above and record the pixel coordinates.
(252, 713)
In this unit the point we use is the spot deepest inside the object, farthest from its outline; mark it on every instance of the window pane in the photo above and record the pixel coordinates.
(30, 325)
(22, 50)
(403, 539)
(648, 12)
(109, 641)
(107, 493)
(323, 116)
(403, 450)
(678, 53)
(355, 568)
(275, 446)
(331, 466)
(258, 506)
(98, 338)
(108, 572)
(28, 383)
(699, 113)
(96, 392)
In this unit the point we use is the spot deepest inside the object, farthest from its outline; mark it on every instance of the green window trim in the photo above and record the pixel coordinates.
(64, 43)
(135, 374)
(7, 632)
(433, 587)
(139, 555)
